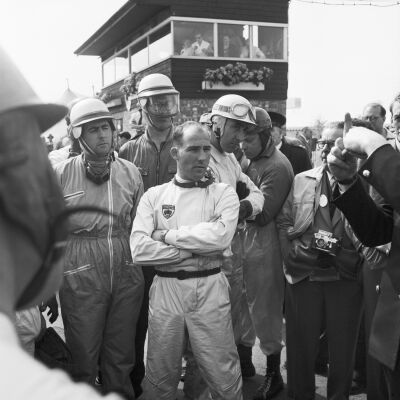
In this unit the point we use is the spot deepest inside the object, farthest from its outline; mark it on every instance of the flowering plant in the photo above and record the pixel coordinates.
(105, 96)
(231, 74)
(129, 86)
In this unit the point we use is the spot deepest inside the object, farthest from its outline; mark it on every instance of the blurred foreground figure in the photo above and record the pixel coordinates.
(375, 225)
(32, 235)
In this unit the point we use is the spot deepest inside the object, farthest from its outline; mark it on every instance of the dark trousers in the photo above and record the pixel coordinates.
(376, 385)
(393, 380)
(308, 303)
(138, 371)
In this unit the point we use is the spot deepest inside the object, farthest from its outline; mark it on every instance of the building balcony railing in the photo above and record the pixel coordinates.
(195, 38)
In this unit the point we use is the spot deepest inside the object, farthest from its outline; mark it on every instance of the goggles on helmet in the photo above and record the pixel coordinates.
(162, 105)
(238, 110)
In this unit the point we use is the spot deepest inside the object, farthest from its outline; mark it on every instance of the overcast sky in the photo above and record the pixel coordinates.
(340, 57)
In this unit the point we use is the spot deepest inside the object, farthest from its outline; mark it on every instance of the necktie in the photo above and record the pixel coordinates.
(332, 206)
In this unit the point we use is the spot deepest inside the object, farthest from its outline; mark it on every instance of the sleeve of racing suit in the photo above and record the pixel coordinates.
(145, 250)
(123, 152)
(138, 193)
(284, 221)
(255, 197)
(216, 235)
(275, 187)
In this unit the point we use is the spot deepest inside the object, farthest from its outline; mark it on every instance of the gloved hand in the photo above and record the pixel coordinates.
(245, 210)
(52, 305)
(241, 190)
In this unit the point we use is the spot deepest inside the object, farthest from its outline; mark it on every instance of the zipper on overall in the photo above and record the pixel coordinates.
(110, 225)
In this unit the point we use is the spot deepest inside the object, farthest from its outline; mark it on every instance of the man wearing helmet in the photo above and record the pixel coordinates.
(231, 116)
(102, 291)
(262, 312)
(32, 236)
(150, 152)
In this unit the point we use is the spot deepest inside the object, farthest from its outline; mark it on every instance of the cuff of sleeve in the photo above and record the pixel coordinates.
(346, 184)
(245, 210)
(170, 237)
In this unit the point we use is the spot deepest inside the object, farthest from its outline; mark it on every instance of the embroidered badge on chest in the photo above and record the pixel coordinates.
(168, 210)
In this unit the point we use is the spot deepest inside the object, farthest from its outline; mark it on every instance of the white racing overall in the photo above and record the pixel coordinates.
(201, 221)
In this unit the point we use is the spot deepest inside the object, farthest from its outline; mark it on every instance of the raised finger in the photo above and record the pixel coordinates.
(347, 123)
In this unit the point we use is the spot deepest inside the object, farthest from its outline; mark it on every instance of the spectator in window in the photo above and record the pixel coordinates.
(229, 49)
(187, 49)
(245, 51)
(201, 48)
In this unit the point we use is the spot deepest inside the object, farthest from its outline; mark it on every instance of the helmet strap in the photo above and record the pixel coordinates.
(151, 122)
(220, 131)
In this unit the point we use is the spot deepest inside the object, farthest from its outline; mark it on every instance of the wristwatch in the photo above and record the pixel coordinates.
(163, 234)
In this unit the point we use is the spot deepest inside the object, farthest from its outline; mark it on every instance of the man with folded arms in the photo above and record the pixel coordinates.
(182, 228)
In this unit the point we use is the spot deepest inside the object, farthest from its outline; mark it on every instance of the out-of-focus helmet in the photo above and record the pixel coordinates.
(157, 96)
(87, 110)
(234, 107)
(205, 119)
(17, 94)
(263, 119)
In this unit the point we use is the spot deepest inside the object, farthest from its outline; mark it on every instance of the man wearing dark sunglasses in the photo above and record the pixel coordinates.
(32, 236)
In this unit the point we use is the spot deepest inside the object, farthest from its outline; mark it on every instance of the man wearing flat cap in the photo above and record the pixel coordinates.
(290, 147)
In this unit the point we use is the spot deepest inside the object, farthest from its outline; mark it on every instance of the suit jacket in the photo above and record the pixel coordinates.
(296, 228)
(297, 156)
(376, 225)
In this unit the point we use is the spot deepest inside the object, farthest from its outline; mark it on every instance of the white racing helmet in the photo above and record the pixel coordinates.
(157, 96)
(87, 110)
(235, 107)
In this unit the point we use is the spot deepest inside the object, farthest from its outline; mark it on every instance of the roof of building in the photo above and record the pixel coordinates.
(117, 27)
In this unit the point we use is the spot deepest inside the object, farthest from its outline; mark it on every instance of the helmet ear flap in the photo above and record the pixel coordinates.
(77, 132)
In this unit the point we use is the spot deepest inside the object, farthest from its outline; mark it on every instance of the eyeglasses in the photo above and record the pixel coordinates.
(371, 118)
(322, 143)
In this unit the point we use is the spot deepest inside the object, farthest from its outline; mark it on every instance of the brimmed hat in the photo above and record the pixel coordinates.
(17, 94)
(277, 118)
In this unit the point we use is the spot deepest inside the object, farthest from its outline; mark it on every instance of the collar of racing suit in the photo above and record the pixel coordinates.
(207, 180)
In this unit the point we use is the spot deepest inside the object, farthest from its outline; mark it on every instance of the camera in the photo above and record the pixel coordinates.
(325, 241)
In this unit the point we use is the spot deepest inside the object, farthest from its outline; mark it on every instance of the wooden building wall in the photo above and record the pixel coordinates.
(250, 10)
(187, 75)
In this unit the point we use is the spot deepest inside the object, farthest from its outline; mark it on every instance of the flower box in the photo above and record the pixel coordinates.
(207, 85)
